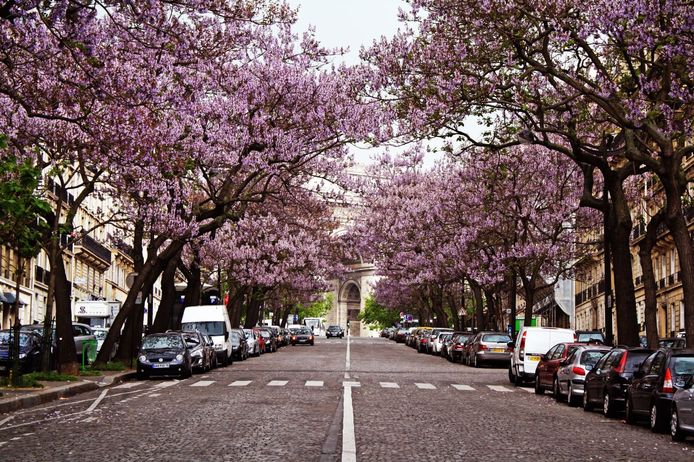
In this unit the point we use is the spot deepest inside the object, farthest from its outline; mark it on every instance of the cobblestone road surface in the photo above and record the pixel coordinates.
(288, 406)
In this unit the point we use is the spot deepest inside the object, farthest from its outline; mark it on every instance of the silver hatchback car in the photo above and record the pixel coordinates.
(571, 376)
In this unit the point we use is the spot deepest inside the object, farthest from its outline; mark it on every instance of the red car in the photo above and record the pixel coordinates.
(260, 340)
(546, 374)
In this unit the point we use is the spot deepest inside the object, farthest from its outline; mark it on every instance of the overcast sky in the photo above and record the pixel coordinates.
(351, 23)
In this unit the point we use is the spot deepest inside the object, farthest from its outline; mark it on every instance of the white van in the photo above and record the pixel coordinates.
(531, 343)
(212, 320)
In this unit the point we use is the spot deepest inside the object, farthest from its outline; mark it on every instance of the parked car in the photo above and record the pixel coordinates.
(209, 346)
(252, 342)
(29, 351)
(165, 355)
(239, 344)
(531, 343)
(261, 341)
(334, 331)
(212, 320)
(489, 347)
(571, 376)
(302, 336)
(433, 346)
(422, 340)
(197, 348)
(608, 381)
(654, 384)
(546, 372)
(672, 342)
(682, 412)
(454, 346)
(270, 341)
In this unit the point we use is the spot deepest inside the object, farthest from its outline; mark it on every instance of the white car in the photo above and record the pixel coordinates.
(531, 343)
(252, 341)
(438, 342)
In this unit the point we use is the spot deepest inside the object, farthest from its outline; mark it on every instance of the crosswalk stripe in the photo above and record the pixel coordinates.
(240, 383)
(389, 385)
(351, 384)
(314, 383)
(424, 386)
(462, 387)
(166, 384)
(128, 385)
(202, 383)
(277, 383)
(529, 390)
(500, 388)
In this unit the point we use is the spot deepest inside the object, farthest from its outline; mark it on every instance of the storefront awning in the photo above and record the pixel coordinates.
(9, 297)
(2, 298)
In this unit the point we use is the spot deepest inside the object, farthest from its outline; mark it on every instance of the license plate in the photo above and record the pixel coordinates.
(533, 358)
(498, 350)
(160, 366)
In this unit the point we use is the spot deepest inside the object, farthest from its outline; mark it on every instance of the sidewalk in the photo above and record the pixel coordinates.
(15, 399)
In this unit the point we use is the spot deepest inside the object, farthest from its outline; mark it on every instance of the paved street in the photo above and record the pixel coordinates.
(289, 406)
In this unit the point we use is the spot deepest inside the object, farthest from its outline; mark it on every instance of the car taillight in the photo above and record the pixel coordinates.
(578, 370)
(293, 337)
(667, 383)
(521, 350)
(622, 364)
(423, 340)
(483, 347)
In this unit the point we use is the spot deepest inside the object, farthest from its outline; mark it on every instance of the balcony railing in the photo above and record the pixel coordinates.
(90, 244)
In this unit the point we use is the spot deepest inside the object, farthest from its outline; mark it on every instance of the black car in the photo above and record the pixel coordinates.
(454, 347)
(239, 346)
(654, 384)
(198, 349)
(334, 331)
(608, 381)
(165, 355)
(303, 335)
(29, 351)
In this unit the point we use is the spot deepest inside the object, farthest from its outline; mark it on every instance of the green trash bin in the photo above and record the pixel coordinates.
(88, 352)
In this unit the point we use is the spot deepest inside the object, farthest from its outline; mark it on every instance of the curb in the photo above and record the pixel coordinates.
(64, 391)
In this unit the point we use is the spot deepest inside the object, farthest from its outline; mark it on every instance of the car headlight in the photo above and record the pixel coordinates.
(22, 355)
(143, 359)
(179, 357)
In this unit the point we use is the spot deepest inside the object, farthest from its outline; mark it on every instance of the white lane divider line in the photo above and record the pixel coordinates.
(97, 401)
(347, 375)
(240, 383)
(166, 384)
(462, 387)
(424, 386)
(349, 443)
(5, 420)
(500, 388)
(348, 361)
(529, 390)
(128, 385)
(351, 385)
(154, 395)
(389, 385)
(277, 383)
(202, 383)
(314, 383)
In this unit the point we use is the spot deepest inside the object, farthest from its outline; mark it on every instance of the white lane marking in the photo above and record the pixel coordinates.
(348, 361)
(351, 384)
(462, 387)
(96, 401)
(2, 443)
(314, 383)
(202, 383)
(349, 444)
(5, 420)
(389, 385)
(529, 390)
(154, 395)
(424, 386)
(347, 375)
(240, 383)
(277, 383)
(16, 438)
(128, 385)
(500, 388)
(166, 384)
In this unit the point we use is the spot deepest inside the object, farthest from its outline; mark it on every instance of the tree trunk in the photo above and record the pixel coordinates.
(512, 302)
(491, 308)
(620, 226)
(67, 354)
(235, 304)
(529, 291)
(677, 224)
(164, 319)
(479, 305)
(194, 278)
(649, 283)
(253, 308)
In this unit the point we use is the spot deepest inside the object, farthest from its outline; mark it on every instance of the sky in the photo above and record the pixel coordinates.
(351, 23)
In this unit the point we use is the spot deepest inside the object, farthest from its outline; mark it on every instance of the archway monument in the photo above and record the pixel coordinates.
(349, 294)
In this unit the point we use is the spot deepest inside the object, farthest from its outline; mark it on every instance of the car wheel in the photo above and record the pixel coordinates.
(141, 375)
(476, 362)
(675, 432)
(607, 406)
(187, 372)
(629, 412)
(511, 377)
(587, 406)
(538, 388)
(555, 390)
(656, 421)
(570, 398)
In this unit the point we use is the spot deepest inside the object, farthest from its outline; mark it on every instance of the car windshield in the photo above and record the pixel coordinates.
(591, 357)
(208, 327)
(334, 328)
(496, 338)
(162, 341)
(585, 337)
(265, 333)
(305, 331)
(5, 338)
(683, 365)
(191, 339)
